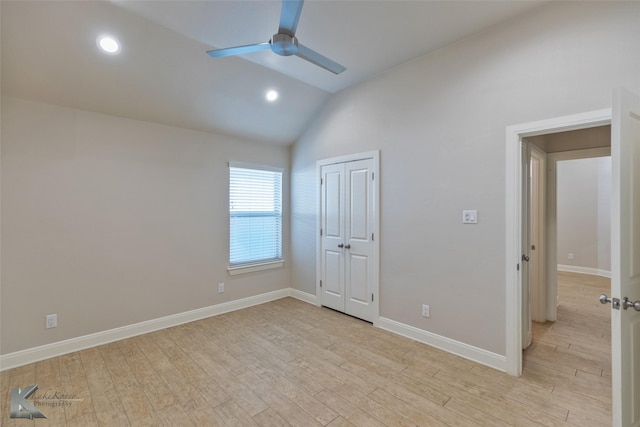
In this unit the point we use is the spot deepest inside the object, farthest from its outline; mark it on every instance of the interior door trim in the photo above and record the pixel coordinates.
(513, 219)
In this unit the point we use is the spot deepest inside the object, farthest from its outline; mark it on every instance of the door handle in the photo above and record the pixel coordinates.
(340, 245)
(627, 303)
(615, 302)
(347, 246)
(604, 299)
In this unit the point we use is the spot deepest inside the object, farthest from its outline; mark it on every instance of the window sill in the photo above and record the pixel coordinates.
(250, 268)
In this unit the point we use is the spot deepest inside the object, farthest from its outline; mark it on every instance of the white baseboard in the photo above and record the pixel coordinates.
(304, 296)
(584, 270)
(458, 348)
(31, 355)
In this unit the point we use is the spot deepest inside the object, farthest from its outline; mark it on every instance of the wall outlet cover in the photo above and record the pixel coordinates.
(426, 310)
(469, 216)
(51, 321)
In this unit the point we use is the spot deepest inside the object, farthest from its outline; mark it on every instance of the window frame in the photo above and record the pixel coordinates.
(258, 265)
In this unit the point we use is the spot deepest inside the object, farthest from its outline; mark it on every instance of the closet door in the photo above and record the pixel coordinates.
(333, 236)
(358, 239)
(347, 221)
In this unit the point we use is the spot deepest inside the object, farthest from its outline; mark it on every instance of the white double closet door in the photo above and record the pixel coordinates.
(347, 230)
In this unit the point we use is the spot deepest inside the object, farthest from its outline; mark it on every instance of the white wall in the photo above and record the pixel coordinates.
(109, 221)
(439, 122)
(584, 213)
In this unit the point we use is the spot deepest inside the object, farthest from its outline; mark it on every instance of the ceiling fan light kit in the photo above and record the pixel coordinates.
(284, 42)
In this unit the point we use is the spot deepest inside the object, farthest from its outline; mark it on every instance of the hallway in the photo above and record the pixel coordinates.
(573, 354)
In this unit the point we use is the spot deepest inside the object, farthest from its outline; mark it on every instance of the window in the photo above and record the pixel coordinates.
(255, 217)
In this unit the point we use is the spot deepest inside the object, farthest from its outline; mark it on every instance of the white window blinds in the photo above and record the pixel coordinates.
(255, 215)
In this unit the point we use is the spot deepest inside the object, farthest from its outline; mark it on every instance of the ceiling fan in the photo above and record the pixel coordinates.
(284, 42)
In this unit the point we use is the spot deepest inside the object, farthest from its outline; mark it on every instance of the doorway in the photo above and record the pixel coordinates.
(624, 117)
(574, 344)
(514, 203)
(546, 198)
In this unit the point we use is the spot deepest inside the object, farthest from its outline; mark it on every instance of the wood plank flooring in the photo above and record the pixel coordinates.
(288, 363)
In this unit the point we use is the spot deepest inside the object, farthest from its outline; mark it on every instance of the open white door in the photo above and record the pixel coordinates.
(625, 259)
(526, 242)
(537, 218)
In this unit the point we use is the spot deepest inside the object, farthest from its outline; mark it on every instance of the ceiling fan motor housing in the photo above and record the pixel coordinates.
(284, 44)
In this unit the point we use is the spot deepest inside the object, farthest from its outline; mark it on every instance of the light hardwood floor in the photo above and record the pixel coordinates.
(290, 363)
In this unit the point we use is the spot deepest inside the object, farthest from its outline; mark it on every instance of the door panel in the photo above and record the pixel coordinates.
(333, 209)
(358, 204)
(358, 302)
(625, 257)
(333, 279)
(635, 356)
(358, 278)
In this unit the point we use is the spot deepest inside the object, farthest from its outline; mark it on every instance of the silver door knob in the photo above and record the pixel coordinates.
(347, 246)
(627, 303)
(615, 302)
(604, 299)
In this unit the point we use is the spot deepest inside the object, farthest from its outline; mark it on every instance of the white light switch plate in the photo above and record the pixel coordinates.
(470, 216)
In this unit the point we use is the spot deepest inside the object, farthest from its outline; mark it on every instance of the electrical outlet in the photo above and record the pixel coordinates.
(51, 320)
(220, 288)
(426, 310)
(570, 256)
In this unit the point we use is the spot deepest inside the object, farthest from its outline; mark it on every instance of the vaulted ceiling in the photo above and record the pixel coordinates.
(162, 73)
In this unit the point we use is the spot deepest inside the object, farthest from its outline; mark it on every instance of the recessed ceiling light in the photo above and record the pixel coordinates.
(108, 44)
(271, 95)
